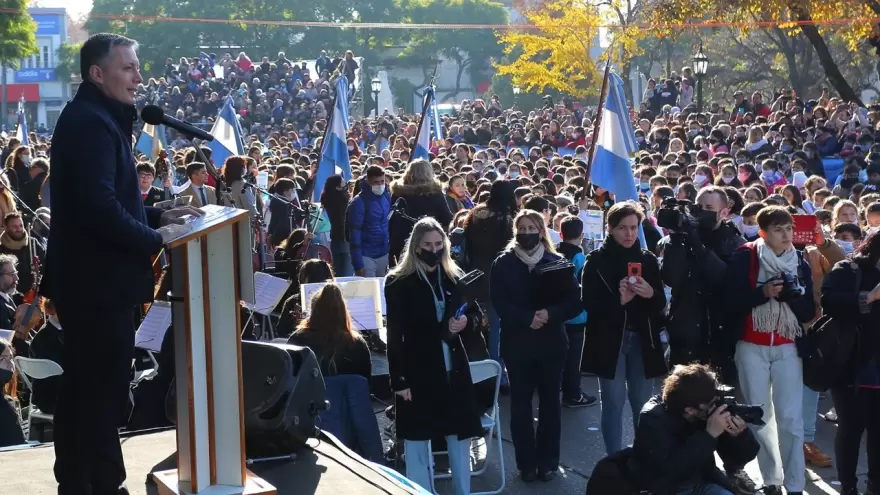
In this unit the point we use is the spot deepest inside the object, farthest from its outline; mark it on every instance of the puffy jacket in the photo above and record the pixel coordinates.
(367, 224)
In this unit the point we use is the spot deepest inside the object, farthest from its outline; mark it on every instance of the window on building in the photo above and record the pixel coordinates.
(45, 57)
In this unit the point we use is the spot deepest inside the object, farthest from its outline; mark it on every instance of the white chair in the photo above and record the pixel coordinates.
(36, 369)
(482, 371)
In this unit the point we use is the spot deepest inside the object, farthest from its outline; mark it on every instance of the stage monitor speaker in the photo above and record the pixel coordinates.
(283, 395)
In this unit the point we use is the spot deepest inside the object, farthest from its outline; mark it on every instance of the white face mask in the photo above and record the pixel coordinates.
(750, 230)
(700, 179)
(513, 174)
(26, 159)
(351, 148)
(846, 246)
(727, 180)
(378, 190)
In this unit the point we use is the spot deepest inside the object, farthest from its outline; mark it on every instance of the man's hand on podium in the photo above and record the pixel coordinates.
(178, 215)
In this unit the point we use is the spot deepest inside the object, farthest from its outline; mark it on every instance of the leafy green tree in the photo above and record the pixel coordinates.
(17, 32)
(68, 60)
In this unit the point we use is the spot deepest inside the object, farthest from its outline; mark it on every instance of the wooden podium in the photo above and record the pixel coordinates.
(211, 271)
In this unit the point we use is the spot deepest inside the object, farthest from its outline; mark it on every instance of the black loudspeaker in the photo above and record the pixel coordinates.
(283, 395)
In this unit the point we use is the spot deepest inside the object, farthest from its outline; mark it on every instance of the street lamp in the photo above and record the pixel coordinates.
(376, 86)
(701, 66)
(516, 90)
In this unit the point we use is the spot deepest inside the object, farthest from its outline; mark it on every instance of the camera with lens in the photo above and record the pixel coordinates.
(677, 214)
(748, 413)
(791, 287)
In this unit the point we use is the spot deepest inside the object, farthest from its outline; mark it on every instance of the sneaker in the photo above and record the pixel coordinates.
(772, 490)
(830, 416)
(814, 456)
(742, 483)
(583, 400)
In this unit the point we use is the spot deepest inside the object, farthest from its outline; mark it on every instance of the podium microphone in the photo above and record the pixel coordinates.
(151, 114)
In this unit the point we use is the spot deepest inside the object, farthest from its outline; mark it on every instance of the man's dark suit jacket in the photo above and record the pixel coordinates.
(102, 236)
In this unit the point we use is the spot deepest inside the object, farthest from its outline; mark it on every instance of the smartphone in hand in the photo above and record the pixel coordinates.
(634, 270)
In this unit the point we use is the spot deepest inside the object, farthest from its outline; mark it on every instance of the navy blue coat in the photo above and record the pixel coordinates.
(102, 236)
(367, 224)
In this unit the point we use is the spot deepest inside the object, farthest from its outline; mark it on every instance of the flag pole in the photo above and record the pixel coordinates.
(597, 125)
(412, 151)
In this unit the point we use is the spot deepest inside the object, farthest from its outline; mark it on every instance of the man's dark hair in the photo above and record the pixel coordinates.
(96, 50)
(375, 171)
(284, 185)
(41, 163)
(571, 228)
(752, 209)
(284, 171)
(147, 168)
(194, 168)
(773, 215)
(11, 215)
(840, 229)
(536, 203)
(689, 386)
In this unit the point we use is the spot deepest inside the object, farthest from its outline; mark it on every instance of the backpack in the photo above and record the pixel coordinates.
(827, 347)
(458, 248)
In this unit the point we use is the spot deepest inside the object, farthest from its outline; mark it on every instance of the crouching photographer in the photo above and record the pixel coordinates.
(680, 431)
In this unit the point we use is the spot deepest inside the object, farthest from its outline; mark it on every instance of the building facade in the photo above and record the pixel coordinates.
(36, 79)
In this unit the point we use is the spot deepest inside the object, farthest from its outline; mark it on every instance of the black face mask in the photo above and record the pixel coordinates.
(707, 219)
(848, 183)
(528, 241)
(430, 258)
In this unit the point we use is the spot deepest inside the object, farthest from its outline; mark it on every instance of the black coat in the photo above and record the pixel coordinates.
(672, 454)
(697, 279)
(29, 192)
(98, 216)
(606, 318)
(486, 234)
(154, 195)
(512, 293)
(419, 200)
(442, 403)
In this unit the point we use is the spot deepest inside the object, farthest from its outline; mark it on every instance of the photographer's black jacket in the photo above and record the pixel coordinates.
(697, 278)
(673, 454)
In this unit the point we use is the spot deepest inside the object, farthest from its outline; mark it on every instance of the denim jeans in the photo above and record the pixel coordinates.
(571, 376)
(629, 381)
(706, 489)
(341, 258)
(420, 462)
(495, 339)
(811, 412)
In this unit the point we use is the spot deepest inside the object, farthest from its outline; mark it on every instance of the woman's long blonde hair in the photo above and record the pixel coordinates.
(410, 263)
(538, 219)
(419, 172)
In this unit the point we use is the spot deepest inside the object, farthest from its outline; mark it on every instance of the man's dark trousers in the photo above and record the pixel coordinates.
(98, 349)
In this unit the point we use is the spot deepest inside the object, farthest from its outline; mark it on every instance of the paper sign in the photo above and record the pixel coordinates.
(218, 72)
(6, 335)
(381, 281)
(362, 297)
(151, 332)
(263, 180)
(592, 224)
(268, 291)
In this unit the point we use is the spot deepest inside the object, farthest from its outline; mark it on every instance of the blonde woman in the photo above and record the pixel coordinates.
(430, 374)
(534, 344)
(812, 185)
(417, 194)
(845, 211)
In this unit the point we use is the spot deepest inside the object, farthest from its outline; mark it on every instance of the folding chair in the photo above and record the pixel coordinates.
(37, 369)
(481, 371)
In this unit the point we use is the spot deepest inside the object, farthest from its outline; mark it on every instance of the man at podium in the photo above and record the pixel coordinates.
(98, 265)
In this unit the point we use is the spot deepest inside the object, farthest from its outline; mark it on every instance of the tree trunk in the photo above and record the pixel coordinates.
(832, 72)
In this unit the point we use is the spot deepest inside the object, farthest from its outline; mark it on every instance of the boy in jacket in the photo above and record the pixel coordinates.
(770, 298)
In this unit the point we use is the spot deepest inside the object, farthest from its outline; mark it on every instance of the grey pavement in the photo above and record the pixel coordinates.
(582, 447)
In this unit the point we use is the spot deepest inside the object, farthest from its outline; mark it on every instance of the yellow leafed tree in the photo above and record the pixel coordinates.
(556, 52)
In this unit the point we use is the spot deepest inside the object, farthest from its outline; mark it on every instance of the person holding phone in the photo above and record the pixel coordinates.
(623, 295)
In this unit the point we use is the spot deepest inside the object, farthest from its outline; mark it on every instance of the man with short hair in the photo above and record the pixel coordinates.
(98, 264)
(769, 298)
(367, 225)
(201, 193)
(679, 432)
(149, 193)
(16, 241)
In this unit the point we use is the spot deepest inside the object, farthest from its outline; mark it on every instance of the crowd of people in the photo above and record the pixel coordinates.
(723, 294)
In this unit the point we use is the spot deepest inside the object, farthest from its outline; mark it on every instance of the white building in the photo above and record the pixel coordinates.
(36, 79)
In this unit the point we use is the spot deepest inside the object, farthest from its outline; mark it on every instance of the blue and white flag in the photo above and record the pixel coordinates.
(151, 141)
(612, 169)
(334, 149)
(430, 118)
(227, 134)
(21, 133)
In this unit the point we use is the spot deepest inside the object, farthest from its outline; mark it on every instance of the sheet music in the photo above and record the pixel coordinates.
(268, 291)
(381, 288)
(7, 335)
(362, 297)
(152, 330)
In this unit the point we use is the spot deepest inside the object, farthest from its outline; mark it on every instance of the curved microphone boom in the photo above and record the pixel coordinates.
(151, 114)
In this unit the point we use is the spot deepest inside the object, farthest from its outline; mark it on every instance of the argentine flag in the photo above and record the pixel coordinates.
(21, 133)
(430, 117)
(151, 141)
(612, 169)
(334, 149)
(227, 134)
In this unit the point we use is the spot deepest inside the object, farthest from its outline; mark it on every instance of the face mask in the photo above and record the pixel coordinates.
(750, 230)
(378, 190)
(742, 161)
(351, 148)
(700, 179)
(430, 258)
(768, 175)
(863, 175)
(644, 186)
(528, 241)
(848, 183)
(707, 220)
(727, 180)
(26, 159)
(846, 246)
(514, 175)
(785, 149)
(640, 139)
